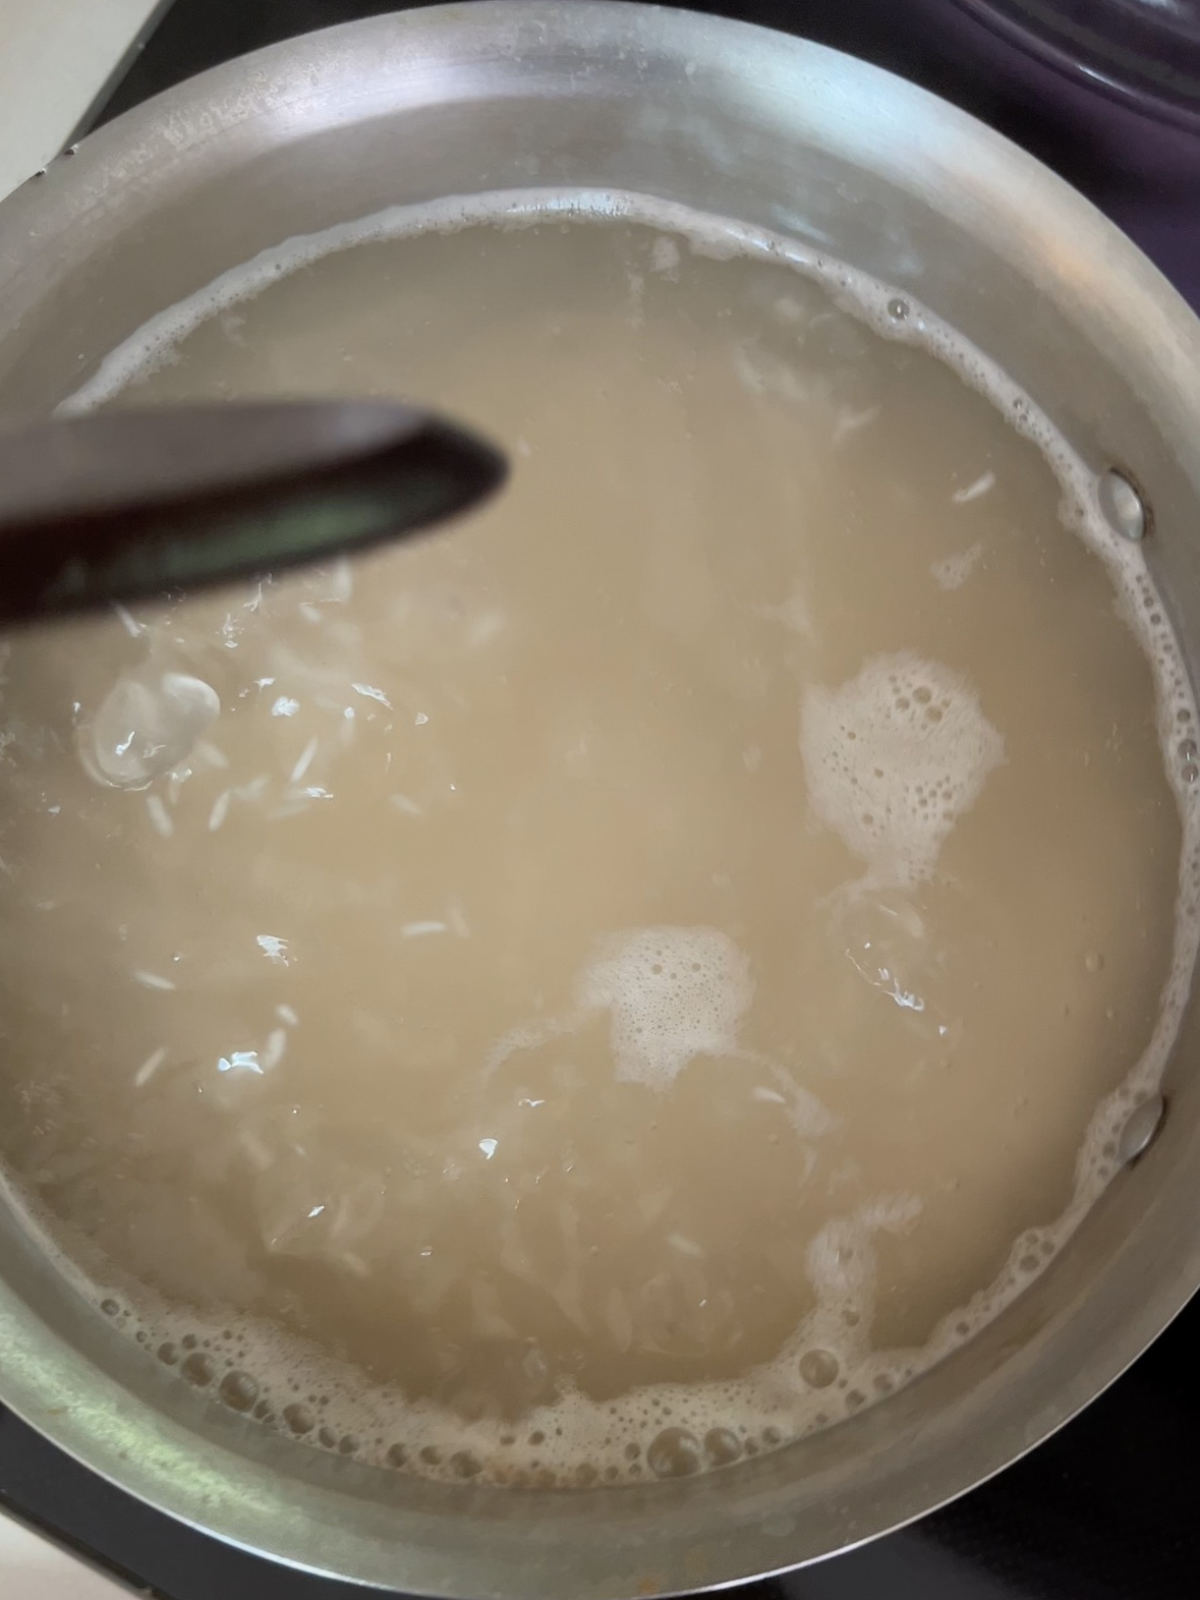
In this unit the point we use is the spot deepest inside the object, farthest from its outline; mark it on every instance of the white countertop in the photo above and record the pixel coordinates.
(55, 57)
(32, 1568)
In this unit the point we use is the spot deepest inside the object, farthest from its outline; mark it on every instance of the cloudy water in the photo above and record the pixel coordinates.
(635, 977)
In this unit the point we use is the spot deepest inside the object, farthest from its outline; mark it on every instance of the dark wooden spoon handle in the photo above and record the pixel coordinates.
(119, 504)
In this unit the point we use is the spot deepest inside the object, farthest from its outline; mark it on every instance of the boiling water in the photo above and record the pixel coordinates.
(636, 977)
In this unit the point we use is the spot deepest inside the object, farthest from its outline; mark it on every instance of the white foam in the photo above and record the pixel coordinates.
(827, 1368)
(893, 758)
(673, 994)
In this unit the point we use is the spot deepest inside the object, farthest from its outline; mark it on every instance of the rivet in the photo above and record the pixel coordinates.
(1122, 505)
(1140, 1127)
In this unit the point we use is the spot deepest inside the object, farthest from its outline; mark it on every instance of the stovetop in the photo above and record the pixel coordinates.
(1105, 1510)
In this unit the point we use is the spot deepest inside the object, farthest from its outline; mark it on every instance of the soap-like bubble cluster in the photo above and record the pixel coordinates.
(673, 993)
(893, 756)
(826, 1371)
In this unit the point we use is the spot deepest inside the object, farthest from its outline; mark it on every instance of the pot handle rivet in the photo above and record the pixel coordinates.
(1122, 505)
(1140, 1128)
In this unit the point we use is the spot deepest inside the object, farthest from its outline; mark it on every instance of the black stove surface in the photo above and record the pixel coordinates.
(1106, 1509)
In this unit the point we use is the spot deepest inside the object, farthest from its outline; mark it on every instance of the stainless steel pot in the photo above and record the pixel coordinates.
(773, 131)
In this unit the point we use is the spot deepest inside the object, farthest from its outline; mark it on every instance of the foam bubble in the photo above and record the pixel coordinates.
(673, 994)
(145, 725)
(893, 758)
